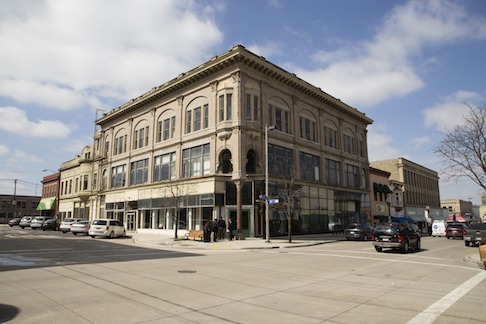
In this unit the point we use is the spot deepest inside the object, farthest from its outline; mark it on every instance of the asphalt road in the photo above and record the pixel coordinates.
(50, 277)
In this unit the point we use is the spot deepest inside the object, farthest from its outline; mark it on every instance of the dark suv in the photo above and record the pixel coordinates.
(400, 236)
(358, 232)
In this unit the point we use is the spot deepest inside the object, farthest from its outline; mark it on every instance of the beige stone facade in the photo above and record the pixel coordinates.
(421, 196)
(200, 138)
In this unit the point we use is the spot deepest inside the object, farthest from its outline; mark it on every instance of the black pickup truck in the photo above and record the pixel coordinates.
(475, 234)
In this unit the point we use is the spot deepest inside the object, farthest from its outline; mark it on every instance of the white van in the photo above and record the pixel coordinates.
(106, 228)
(438, 228)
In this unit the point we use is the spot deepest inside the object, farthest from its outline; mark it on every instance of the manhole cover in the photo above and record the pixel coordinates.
(187, 271)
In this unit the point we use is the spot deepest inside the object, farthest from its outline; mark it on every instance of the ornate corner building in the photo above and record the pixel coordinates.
(196, 146)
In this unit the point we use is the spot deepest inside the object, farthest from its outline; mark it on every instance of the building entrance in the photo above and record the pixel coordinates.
(131, 221)
(245, 221)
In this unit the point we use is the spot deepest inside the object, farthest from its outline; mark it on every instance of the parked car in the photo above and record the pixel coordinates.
(68, 222)
(38, 221)
(51, 224)
(25, 222)
(400, 236)
(81, 227)
(106, 228)
(475, 234)
(456, 230)
(14, 221)
(358, 231)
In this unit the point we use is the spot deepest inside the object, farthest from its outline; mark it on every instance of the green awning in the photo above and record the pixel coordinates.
(46, 203)
(378, 187)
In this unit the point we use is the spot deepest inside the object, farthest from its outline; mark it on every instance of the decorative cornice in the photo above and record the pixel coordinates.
(237, 56)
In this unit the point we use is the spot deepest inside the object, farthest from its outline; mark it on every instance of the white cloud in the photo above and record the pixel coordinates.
(379, 144)
(448, 114)
(71, 54)
(15, 120)
(378, 70)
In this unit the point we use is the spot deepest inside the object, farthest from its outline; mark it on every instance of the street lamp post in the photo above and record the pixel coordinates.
(267, 221)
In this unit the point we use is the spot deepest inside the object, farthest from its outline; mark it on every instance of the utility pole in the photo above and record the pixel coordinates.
(14, 203)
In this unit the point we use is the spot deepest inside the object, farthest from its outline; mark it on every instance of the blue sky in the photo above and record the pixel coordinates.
(409, 65)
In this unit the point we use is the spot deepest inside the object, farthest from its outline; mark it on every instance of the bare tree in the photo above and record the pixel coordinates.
(463, 149)
(176, 193)
(289, 193)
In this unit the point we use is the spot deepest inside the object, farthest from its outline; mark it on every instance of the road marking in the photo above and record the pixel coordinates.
(436, 309)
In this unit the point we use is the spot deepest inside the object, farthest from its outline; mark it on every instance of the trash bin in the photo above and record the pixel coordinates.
(482, 254)
(207, 236)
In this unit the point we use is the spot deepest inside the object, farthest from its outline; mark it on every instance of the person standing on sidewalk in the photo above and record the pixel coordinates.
(231, 228)
(221, 228)
(214, 228)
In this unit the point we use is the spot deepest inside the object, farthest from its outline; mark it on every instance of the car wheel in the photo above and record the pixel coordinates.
(418, 247)
(112, 235)
(75, 233)
(378, 248)
(22, 227)
(365, 237)
(93, 236)
(467, 243)
(124, 233)
(406, 247)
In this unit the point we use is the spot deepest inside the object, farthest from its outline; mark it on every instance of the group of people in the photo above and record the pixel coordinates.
(218, 230)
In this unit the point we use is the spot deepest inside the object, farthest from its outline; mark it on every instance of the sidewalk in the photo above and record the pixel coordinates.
(281, 242)
(166, 241)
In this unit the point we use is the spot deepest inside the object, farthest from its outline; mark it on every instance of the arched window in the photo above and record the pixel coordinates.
(251, 162)
(166, 125)
(279, 115)
(141, 135)
(225, 165)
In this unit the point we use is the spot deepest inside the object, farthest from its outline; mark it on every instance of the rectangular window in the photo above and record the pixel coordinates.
(135, 139)
(164, 167)
(197, 118)
(280, 160)
(166, 129)
(118, 176)
(221, 108)
(139, 172)
(330, 137)
(333, 172)
(352, 176)
(278, 118)
(256, 107)
(248, 107)
(172, 127)
(85, 182)
(270, 115)
(188, 121)
(308, 129)
(309, 166)
(206, 116)
(196, 161)
(348, 144)
(229, 108)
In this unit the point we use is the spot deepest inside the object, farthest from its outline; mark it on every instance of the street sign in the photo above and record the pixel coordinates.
(273, 201)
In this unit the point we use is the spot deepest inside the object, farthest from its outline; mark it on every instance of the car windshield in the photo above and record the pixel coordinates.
(99, 222)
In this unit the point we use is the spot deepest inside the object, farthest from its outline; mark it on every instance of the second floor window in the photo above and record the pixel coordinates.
(164, 166)
(196, 161)
(309, 166)
(352, 176)
(280, 160)
(139, 172)
(333, 172)
(118, 176)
